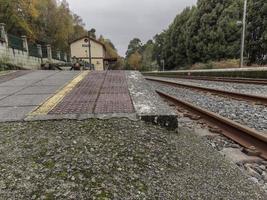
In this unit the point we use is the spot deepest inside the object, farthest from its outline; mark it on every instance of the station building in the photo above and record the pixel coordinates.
(81, 47)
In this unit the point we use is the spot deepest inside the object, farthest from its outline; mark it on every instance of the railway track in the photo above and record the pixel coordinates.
(243, 135)
(224, 79)
(247, 97)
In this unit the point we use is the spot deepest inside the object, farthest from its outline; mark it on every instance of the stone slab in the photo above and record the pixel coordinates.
(147, 103)
(39, 90)
(14, 113)
(23, 100)
(3, 96)
(51, 82)
(10, 90)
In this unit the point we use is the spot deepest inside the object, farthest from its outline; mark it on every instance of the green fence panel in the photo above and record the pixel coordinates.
(44, 52)
(15, 42)
(54, 55)
(33, 50)
(62, 56)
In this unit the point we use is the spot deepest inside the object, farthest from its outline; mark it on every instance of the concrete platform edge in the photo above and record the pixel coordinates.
(147, 103)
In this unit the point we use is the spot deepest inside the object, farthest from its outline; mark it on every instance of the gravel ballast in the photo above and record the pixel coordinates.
(251, 115)
(259, 90)
(113, 159)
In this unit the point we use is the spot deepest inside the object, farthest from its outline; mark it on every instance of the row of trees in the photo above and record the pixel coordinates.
(48, 21)
(207, 32)
(42, 20)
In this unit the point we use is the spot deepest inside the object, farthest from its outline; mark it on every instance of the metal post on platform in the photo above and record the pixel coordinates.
(243, 34)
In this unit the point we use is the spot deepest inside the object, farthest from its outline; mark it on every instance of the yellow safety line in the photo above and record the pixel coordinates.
(51, 103)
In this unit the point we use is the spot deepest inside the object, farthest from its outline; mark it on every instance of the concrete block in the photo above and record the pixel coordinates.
(147, 103)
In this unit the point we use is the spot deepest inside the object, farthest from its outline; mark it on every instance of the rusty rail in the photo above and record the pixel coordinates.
(247, 97)
(226, 79)
(221, 79)
(241, 134)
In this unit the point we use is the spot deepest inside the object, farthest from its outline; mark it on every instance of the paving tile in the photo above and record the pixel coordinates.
(52, 82)
(10, 90)
(14, 113)
(23, 100)
(39, 90)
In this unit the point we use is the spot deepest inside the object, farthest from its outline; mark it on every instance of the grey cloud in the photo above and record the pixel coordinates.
(122, 20)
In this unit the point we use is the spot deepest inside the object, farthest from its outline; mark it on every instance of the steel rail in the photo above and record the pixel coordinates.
(224, 79)
(247, 97)
(241, 134)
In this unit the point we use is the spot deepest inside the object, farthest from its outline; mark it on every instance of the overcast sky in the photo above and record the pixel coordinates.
(122, 20)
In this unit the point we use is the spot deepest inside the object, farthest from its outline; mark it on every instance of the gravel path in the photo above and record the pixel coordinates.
(113, 159)
(260, 90)
(253, 116)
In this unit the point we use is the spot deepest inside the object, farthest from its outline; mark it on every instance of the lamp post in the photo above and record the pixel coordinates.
(243, 34)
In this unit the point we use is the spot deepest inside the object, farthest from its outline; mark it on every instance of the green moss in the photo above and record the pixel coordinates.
(49, 164)
(49, 196)
(103, 195)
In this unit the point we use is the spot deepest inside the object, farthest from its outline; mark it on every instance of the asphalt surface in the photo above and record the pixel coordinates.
(113, 159)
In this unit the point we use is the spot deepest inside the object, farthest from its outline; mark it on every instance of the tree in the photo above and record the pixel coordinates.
(45, 21)
(147, 53)
(257, 32)
(112, 53)
(134, 45)
(18, 15)
(92, 33)
(209, 32)
(134, 61)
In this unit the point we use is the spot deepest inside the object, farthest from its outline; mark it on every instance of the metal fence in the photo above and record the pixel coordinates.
(44, 52)
(15, 42)
(62, 56)
(54, 55)
(33, 50)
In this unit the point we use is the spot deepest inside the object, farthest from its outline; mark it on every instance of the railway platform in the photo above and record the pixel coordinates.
(47, 95)
(78, 135)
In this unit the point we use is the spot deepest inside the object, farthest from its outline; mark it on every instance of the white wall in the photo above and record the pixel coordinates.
(21, 58)
(80, 49)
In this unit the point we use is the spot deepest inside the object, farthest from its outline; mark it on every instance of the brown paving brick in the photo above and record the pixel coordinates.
(99, 92)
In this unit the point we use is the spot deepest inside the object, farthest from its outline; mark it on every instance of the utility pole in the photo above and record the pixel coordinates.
(243, 35)
(89, 53)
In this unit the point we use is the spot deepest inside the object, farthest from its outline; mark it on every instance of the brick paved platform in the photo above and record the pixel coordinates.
(98, 93)
(44, 95)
